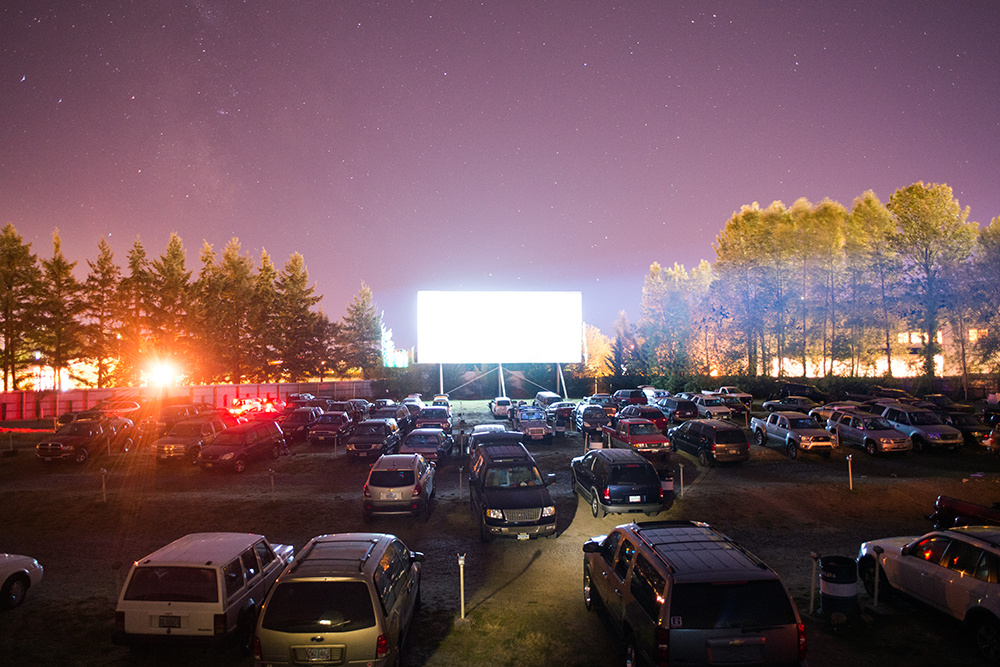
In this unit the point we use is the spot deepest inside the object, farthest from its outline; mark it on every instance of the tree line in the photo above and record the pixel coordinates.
(823, 290)
(237, 321)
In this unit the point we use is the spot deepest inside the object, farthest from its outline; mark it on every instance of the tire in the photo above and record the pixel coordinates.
(986, 634)
(595, 505)
(703, 459)
(239, 465)
(80, 455)
(919, 446)
(792, 450)
(193, 456)
(871, 447)
(275, 451)
(866, 571)
(758, 437)
(14, 590)
(591, 600)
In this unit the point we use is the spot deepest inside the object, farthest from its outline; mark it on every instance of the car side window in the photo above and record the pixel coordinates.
(624, 559)
(963, 557)
(931, 549)
(249, 558)
(233, 576)
(647, 587)
(264, 553)
(610, 546)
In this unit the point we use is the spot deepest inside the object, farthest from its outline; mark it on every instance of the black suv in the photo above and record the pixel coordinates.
(682, 593)
(711, 441)
(507, 494)
(617, 481)
(678, 410)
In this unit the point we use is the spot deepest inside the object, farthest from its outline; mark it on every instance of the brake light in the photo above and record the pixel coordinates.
(662, 646)
(417, 489)
(661, 492)
(367, 493)
(802, 641)
(219, 624)
(606, 493)
(382, 646)
(256, 648)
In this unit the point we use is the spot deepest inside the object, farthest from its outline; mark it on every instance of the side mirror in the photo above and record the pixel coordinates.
(550, 478)
(591, 547)
(416, 557)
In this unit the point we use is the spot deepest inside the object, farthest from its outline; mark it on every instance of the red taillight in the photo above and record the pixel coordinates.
(219, 625)
(367, 493)
(382, 646)
(606, 493)
(256, 648)
(417, 489)
(662, 646)
(802, 641)
(661, 492)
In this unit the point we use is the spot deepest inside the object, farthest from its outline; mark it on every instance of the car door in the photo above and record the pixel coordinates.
(615, 603)
(850, 430)
(582, 471)
(921, 574)
(603, 574)
(965, 578)
(684, 437)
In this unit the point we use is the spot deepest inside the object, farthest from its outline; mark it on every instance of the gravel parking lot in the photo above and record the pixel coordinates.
(523, 599)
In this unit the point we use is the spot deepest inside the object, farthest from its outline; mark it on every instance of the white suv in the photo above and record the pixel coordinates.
(955, 571)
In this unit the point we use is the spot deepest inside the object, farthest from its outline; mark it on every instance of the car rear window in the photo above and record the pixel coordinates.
(173, 584)
(633, 473)
(730, 437)
(319, 606)
(391, 478)
(741, 604)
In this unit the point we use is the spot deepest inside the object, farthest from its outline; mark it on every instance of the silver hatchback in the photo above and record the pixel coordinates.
(399, 484)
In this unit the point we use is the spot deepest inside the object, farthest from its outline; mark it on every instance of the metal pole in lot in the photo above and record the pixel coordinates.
(680, 469)
(461, 582)
(460, 471)
(850, 473)
(812, 583)
(104, 486)
(878, 553)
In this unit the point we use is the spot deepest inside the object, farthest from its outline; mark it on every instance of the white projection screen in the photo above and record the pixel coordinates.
(499, 327)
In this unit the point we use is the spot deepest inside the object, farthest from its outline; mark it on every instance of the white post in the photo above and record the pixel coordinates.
(812, 584)
(460, 471)
(461, 582)
(104, 486)
(850, 473)
(680, 469)
(440, 378)
(271, 470)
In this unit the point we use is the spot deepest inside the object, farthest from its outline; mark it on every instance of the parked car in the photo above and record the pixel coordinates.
(794, 431)
(560, 416)
(331, 428)
(738, 408)
(953, 571)
(617, 481)
(203, 586)
(399, 484)
(374, 437)
(77, 441)
(400, 413)
(790, 403)
(742, 396)
(431, 443)
(18, 574)
(677, 409)
(234, 448)
(151, 428)
(711, 407)
(681, 593)
(352, 410)
(871, 432)
(296, 424)
(629, 397)
(347, 598)
(973, 430)
(944, 403)
(810, 391)
(951, 512)
(434, 417)
(531, 422)
(923, 426)
(824, 412)
(711, 441)
(590, 418)
(499, 407)
(508, 496)
(186, 439)
(606, 401)
(650, 412)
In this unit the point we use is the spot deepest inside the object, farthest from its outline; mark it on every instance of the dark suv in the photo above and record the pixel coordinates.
(681, 593)
(617, 481)
(678, 410)
(508, 495)
(624, 397)
(234, 447)
(711, 441)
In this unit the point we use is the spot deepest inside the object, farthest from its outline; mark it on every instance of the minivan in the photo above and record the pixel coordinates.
(544, 399)
(203, 586)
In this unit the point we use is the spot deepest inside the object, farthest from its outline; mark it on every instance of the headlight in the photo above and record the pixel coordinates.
(934, 436)
(494, 514)
(549, 511)
(806, 438)
(226, 456)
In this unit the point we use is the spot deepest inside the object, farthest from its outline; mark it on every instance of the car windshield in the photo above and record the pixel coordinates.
(594, 411)
(711, 402)
(371, 429)
(728, 605)
(337, 418)
(503, 401)
(965, 420)
(924, 418)
(651, 413)
(532, 415)
(513, 476)
(421, 440)
(173, 584)
(391, 478)
(802, 422)
(76, 429)
(229, 439)
(643, 429)
(385, 413)
(186, 430)
(318, 607)
(434, 413)
(730, 436)
(879, 424)
(601, 400)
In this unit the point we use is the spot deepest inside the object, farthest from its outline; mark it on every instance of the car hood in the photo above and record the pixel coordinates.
(177, 440)
(517, 498)
(67, 439)
(812, 432)
(891, 545)
(366, 438)
(651, 439)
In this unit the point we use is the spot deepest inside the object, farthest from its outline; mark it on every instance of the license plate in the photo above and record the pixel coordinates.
(208, 465)
(635, 499)
(390, 496)
(536, 437)
(319, 654)
(668, 486)
(170, 621)
(523, 536)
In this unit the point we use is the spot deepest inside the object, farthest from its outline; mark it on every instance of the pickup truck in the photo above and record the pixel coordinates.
(793, 431)
(951, 512)
(744, 398)
(645, 438)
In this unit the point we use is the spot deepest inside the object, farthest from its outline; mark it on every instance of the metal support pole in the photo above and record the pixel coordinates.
(461, 582)
(460, 471)
(812, 583)
(271, 470)
(680, 469)
(104, 485)
(878, 553)
(850, 473)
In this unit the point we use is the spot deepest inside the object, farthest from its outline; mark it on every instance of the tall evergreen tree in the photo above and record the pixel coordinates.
(361, 333)
(136, 296)
(20, 287)
(168, 304)
(102, 313)
(300, 328)
(60, 332)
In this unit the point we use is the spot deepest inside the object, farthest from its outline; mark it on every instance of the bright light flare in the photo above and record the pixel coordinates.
(162, 374)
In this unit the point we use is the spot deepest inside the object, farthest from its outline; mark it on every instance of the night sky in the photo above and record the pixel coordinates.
(557, 145)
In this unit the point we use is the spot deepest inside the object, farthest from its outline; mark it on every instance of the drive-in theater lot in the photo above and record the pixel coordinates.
(523, 599)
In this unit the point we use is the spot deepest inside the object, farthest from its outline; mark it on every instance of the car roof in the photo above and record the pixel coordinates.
(396, 461)
(203, 548)
(695, 551)
(425, 431)
(339, 553)
(619, 456)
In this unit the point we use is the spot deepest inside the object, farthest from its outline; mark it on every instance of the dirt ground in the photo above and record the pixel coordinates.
(523, 600)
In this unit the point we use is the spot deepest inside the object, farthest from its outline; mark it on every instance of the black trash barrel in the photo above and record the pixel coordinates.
(838, 585)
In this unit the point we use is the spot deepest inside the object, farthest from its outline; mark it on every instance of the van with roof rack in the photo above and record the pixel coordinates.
(348, 598)
(682, 593)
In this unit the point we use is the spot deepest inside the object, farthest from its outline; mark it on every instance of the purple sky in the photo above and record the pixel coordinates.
(446, 145)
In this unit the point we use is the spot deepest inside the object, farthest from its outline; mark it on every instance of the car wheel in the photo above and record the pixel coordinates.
(871, 447)
(986, 631)
(631, 656)
(239, 465)
(919, 446)
(759, 438)
(193, 456)
(792, 450)
(595, 505)
(14, 590)
(703, 459)
(591, 600)
(80, 456)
